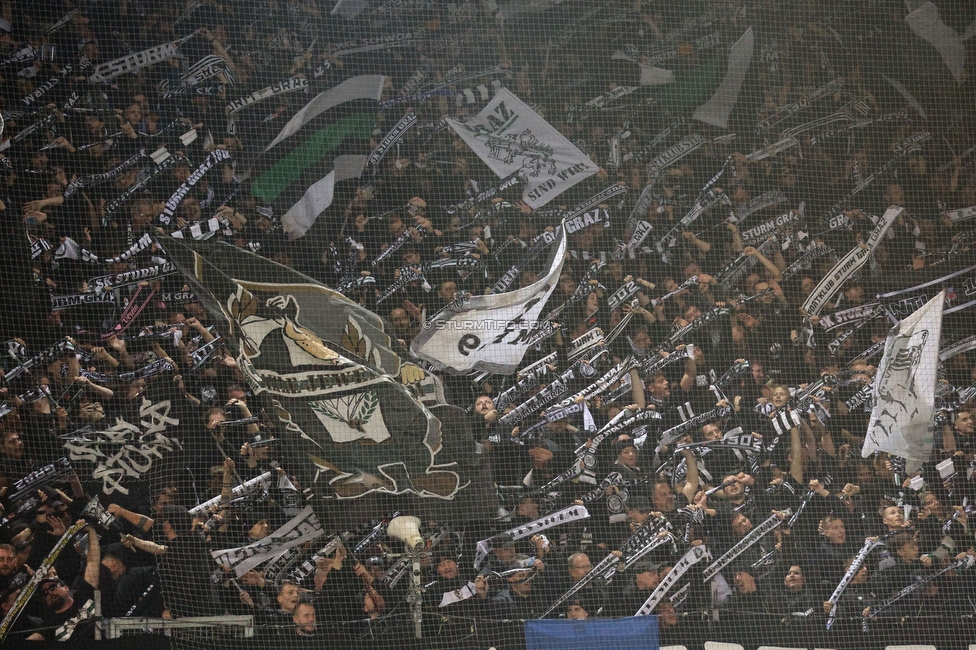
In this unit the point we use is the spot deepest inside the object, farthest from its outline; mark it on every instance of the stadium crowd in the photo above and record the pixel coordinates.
(134, 450)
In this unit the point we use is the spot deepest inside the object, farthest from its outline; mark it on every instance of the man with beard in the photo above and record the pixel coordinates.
(66, 609)
(8, 565)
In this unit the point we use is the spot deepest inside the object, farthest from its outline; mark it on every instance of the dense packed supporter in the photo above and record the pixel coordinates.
(408, 322)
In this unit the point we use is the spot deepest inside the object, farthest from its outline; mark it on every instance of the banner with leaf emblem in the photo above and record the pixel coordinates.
(348, 404)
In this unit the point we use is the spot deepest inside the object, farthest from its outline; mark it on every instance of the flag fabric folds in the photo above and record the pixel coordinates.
(348, 404)
(716, 110)
(927, 24)
(489, 333)
(300, 217)
(361, 87)
(904, 387)
(509, 136)
(299, 174)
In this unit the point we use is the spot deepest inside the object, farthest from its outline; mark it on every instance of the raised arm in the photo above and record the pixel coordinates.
(93, 564)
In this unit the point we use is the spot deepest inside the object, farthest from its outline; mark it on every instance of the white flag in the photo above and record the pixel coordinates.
(300, 217)
(716, 110)
(489, 333)
(653, 76)
(349, 9)
(302, 528)
(509, 136)
(927, 24)
(904, 388)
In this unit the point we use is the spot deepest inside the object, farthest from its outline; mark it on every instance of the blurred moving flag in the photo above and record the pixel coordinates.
(927, 24)
(717, 109)
(490, 333)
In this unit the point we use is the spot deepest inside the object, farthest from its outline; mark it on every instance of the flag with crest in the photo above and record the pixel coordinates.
(352, 410)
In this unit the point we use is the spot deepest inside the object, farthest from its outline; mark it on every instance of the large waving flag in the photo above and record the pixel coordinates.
(710, 90)
(512, 138)
(926, 23)
(717, 109)
(298, 174)
(904, 387)
(347, 403)
(489, 333)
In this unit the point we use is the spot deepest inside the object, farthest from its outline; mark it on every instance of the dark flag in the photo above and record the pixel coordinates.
(346, 402)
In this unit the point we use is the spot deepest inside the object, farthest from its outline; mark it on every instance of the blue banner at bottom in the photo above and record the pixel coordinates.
(634, 633)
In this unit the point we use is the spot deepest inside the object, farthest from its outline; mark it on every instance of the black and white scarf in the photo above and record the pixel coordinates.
(394, 136)
(668, 157)
(212, 160)
(32, 98)
(137, 61)
(761, 202)
(209, 66)
(96, 179)
(788, 111)
(293, 84)
(60, 303)
(164, 166)
(542, 241)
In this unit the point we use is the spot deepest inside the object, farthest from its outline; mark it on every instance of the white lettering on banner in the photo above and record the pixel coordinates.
(765, 228)
(846, 267)
(133, 448)
(129, 277)
(847, 316)
(497, 349)
(510, 137)
(587, 219)
(134, 62)
(300, 529)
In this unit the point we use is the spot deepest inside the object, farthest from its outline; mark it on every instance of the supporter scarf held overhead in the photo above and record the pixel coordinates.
(849, 264)
(137, 61)
(214, 158)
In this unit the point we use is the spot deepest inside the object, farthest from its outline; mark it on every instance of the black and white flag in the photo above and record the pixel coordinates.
(489, 333)
(302, 528)
(904, 387)
(509, 136)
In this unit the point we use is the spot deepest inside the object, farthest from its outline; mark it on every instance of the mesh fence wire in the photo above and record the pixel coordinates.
(427, 324)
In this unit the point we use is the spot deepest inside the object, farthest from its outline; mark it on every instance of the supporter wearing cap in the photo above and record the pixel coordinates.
(578, 610)
(626, 599)
(66, 609)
